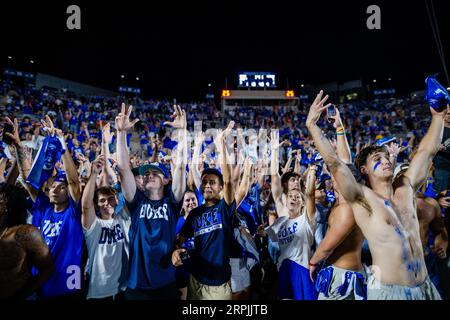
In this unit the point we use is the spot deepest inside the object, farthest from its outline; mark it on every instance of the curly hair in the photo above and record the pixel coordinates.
(16, 204)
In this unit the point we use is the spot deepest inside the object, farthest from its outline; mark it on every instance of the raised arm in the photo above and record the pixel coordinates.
(228, 192)
(428, 148)
(87, 202)
(349, 188)
(196, 161)
(439, 231)
(67, 160)
(277, 188)
(288, 164)
(343, 224)
(310, 192)
(22, 161)
(123, 125)
(244, 186)
(342, 146)
(108, 174)
(156, 146)
(3, 163)
(179, 169)
(13, 174)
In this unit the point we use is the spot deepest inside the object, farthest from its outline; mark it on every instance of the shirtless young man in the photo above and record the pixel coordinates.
(21, 248)
(385, 210)
(343, 277)
(430, 219)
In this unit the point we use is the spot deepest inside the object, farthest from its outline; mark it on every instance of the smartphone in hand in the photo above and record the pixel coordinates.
(331, 111)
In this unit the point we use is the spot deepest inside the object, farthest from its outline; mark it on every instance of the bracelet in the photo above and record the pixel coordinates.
(341, 133)
(340, 129)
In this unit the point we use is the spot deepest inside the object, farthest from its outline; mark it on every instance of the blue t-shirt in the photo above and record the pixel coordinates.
(212, 229)
(63, 234)
(251, 209)
(152, 238)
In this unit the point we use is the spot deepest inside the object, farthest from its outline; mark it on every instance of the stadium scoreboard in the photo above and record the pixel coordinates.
(257, 80)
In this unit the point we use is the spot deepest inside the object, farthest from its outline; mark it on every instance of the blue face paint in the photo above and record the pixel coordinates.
(376, 165)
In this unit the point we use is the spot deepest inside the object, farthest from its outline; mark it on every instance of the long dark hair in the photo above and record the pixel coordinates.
(16, 204)
(182, 213)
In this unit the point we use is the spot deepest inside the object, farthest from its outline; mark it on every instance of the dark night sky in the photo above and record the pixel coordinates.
(177, 48)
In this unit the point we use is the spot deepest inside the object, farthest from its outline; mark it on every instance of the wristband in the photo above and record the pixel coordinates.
(340, 133)
(339, 129)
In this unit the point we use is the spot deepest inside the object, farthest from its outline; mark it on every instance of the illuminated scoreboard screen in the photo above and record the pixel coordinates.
(257, 80)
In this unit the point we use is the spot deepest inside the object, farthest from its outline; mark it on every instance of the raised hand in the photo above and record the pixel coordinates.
(316, 109)
(15, 139)
(199, 138)
(275, 140)
(47, 125)
(337, 121)
(224, 133)
(156, 143)
(179, 121)
(123, 119)
(98, 164)
(442, 114)
(393, 149)
(107, 135)
(248, 165)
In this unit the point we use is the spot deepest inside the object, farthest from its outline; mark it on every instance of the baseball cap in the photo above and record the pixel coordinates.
(157, 166)
(60, 177)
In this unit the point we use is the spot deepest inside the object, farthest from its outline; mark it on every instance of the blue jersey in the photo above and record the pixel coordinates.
(63, 234)
(152, 238)
(212, 229)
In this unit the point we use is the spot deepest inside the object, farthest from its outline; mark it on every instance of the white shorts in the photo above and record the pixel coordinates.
(240, 276)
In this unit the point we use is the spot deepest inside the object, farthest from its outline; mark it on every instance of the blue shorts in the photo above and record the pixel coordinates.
(294, 282)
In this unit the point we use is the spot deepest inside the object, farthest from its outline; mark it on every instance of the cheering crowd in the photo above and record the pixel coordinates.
(102, 200)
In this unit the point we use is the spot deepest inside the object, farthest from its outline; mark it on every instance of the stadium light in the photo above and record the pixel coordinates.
(448, 89)
(302, 85)
(137, 78)
(389, 79)
(209, 84)
(9, 57)
(31, 61)
(374, 80)
(122, 76)
(226, 93)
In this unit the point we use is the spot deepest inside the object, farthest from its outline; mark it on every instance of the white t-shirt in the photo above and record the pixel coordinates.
(295, 238)
(107, 243)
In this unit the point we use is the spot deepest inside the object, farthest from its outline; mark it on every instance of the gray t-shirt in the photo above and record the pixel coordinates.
(107, 243)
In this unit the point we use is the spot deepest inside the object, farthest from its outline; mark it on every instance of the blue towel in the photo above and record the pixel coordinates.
(49, 153)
